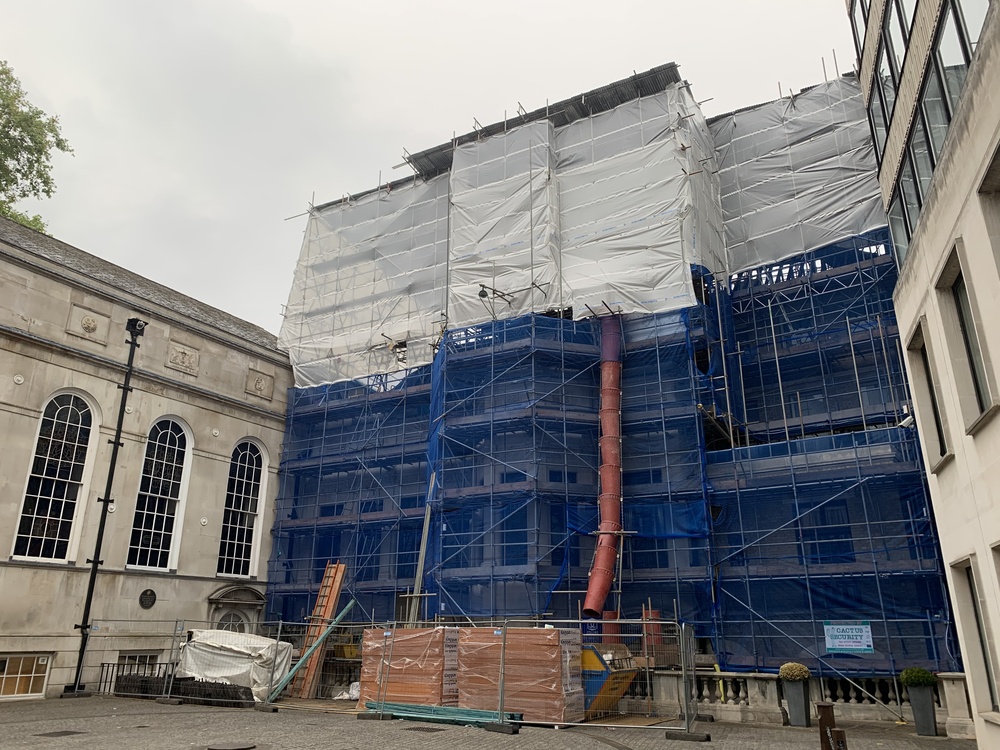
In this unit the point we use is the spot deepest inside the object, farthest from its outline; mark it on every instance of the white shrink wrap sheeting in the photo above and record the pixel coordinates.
(639, 205)
(504, 257)
(797, 174)
(235, 658)
(371, 275)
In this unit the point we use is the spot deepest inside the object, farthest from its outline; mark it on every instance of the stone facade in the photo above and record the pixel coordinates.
(957, 237)
(219, 382)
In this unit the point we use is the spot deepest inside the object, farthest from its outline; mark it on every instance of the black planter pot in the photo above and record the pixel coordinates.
(922, 703)
(797, 702)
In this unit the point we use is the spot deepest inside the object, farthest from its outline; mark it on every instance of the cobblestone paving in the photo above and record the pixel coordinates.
(123, 724)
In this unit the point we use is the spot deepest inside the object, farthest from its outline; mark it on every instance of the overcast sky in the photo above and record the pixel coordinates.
(200, 126)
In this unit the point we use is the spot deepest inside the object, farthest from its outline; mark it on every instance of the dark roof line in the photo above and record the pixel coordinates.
(63, 254)
(715, 118)
(435, 161)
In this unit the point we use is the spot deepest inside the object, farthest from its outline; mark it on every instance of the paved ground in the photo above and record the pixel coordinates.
(126, 724)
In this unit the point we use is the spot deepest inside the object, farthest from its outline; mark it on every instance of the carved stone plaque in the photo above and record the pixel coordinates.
(260, 384)
(88, 324)
(183, 358)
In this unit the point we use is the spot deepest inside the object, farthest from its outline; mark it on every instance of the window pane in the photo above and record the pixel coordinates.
(935, 410)
(897, 225)
(974, 14)
(55, 480)
(859, 27)
(972, 348)
(236, 543)
(911, 201)
(952, 58)
(877, 118)
(936, 111)
(920, 150)
(159, 493)
(897, 40)
(887, 84)
(908, 7)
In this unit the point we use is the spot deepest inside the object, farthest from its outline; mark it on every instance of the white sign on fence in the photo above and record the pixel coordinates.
(848, 637)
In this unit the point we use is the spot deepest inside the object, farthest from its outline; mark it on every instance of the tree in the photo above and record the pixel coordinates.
(27, 139)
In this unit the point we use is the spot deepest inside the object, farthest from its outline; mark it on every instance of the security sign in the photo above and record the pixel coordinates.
(848, 637)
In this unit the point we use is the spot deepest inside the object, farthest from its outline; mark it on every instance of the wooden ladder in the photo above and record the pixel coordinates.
(307, 678)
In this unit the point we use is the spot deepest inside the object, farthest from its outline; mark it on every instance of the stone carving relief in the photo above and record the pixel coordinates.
(260, 384)
(183, 358)
(88, 324)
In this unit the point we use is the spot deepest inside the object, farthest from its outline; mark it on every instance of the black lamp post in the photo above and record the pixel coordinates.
(135, 328)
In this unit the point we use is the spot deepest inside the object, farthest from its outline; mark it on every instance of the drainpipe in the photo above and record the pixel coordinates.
(602, 572)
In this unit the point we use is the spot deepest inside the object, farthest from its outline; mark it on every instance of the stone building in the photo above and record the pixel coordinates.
(187, 531)
(930, 72)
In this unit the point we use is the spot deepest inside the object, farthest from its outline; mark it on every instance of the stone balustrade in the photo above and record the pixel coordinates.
(756, 698)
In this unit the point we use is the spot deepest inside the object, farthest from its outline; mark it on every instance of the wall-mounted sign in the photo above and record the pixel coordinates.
(848, 637)
(147, 599)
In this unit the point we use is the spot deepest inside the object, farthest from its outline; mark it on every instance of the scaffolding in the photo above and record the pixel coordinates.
(769, 491)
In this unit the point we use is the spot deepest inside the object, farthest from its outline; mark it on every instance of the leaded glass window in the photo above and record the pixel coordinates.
(159, 493)
(240, 518)
(56, 479)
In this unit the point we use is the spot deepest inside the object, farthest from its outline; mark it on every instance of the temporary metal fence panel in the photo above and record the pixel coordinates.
(635, 673)
(192, 661)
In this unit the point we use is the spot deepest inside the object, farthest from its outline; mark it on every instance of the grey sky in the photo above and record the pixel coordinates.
(200, 125)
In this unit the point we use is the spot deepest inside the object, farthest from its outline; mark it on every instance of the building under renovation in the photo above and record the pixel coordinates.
(609, 356)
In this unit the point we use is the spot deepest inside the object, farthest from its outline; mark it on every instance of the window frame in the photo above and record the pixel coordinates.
(254, 558)
(966, 587)
(180, 503)
(5, 658)
(974, 408)
(926, 394)
(82, 501)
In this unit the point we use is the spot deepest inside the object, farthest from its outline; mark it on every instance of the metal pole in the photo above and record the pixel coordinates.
(777, 367)
(857, 378)
(135, 328)
(503, 656)
(274, 664)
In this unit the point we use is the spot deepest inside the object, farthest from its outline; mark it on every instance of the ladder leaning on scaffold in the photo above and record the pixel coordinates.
(305, 682)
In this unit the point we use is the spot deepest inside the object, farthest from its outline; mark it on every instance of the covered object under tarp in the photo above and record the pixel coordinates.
(235, 658)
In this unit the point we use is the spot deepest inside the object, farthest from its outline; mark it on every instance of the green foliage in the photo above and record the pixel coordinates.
(917, 677)
(27, 139)
(32, 222)
(792, 671)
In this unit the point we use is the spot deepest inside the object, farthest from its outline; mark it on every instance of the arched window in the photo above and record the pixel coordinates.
(159, 493)
(242, 495)
(56, 479)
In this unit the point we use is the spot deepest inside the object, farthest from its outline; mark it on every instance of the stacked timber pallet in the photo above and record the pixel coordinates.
(541, 672)
(409, 665)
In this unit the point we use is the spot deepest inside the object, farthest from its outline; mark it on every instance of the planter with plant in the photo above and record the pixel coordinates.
(795, 687)
(919, 684)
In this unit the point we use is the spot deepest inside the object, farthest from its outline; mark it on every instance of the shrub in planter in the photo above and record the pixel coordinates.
(795, 686)
(919, 684)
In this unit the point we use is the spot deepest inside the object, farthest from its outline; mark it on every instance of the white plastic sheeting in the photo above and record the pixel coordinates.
(638, 197)
(371, 276)
(609, 211)
(504, 227)
(236, 659)
(797, 174)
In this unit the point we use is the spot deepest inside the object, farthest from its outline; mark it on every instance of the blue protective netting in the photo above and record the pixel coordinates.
(766, 487)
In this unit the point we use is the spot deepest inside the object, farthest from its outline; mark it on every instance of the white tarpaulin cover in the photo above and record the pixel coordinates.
(607, 212)
(235, 658)
(797, 174)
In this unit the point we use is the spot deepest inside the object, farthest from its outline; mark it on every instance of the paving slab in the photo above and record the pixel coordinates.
(103, 723)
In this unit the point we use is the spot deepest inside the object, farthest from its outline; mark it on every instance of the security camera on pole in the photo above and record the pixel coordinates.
(135, 328)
